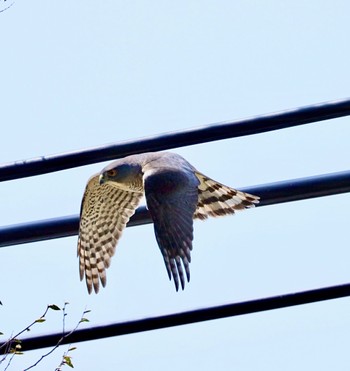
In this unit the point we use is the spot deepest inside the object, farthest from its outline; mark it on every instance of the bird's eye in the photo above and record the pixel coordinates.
(112, 173)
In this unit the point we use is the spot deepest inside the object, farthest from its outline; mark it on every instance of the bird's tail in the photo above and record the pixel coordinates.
(216, 199)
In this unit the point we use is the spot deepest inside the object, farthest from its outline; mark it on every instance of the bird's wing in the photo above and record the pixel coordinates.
(172, 197)
(216, 199)
(105, 210)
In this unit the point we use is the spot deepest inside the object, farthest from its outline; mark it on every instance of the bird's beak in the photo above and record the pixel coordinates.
(102, 179)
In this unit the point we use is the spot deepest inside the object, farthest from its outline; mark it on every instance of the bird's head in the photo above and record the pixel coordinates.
(123, 175)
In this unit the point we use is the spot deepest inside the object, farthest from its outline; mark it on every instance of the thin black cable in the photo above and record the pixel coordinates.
(188, 317)
(273, 193)
(254, 125)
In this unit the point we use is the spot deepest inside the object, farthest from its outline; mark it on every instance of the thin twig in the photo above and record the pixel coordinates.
(2, 10)
(13, 339)
(61, 339)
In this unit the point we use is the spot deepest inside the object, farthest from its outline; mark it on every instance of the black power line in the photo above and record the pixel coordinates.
(273, 193)
(184, 318)
(254, 125)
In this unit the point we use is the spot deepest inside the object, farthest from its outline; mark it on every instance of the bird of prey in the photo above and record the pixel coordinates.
(176, 193)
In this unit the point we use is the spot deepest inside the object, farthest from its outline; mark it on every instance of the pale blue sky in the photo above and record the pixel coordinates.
(83, 73)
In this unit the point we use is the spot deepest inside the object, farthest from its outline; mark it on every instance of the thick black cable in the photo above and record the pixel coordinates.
(254, 125)
(188, 317)
(273, 193)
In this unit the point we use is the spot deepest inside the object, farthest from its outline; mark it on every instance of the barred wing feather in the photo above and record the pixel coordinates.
(105, 210)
